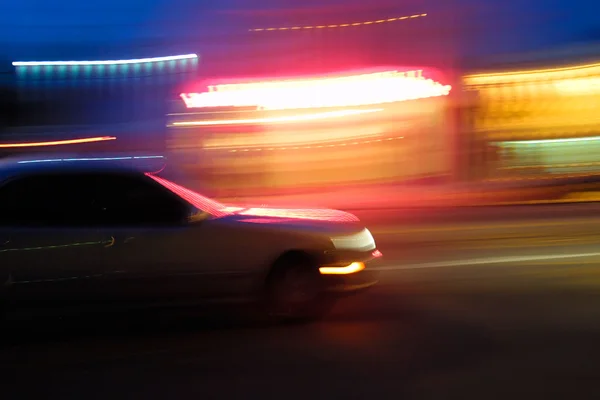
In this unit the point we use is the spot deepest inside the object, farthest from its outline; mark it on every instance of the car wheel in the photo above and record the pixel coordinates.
(295, 290)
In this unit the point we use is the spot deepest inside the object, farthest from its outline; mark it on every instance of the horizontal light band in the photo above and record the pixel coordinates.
(343, 25)
(105, 62)
(51, 160)
(314, 146)
(533, 75)
(278, 120)
(57, 142)
(202, 203)
(300, 213)
(554, 141)
(344, 91)
(348, 269)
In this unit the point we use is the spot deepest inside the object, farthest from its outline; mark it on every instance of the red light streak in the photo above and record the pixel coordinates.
(57, 142)
(197, 200)
(301, 213)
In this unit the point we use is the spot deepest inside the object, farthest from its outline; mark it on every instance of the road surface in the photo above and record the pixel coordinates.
(464, 312)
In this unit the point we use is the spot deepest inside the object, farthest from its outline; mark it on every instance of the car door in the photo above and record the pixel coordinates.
(154, 241)
(49, 251)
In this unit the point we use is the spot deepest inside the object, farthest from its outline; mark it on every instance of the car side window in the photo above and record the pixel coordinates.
(129, 200)
(46, 201)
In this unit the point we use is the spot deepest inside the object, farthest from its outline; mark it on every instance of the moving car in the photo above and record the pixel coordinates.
(99, 230)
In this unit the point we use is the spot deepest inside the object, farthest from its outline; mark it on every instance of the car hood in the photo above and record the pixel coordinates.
(325, 221)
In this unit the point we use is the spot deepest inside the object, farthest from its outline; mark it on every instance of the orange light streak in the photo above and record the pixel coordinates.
(348, 269)
(57, 142)
(342, 25)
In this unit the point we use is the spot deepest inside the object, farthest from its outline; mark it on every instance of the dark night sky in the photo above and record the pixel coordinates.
(27, 26)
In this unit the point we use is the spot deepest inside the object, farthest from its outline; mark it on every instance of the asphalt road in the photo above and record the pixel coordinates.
(462, 215)
(470, 313)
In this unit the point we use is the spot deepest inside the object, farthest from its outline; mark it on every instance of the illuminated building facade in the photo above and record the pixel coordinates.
(332, 121)
(367, 126)
(539, 121)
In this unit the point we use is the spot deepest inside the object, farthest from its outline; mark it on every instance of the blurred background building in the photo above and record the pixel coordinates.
(98, 91)
(513, 111)
(8, 94)
(537, 113)
(356, 127)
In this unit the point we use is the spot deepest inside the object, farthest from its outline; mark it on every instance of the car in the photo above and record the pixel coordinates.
(99, 230)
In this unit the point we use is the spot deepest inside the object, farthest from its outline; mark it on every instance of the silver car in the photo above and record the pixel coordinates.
(81, 231)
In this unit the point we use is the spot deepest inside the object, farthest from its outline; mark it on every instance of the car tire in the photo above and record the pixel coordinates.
(294, 290)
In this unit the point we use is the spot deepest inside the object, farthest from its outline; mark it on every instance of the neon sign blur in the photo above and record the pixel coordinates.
(346, 91)
(105, 62)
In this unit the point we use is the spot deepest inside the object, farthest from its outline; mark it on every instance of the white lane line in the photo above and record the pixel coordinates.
(482, 261)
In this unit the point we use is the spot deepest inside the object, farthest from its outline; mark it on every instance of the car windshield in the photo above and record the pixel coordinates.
(203, 203)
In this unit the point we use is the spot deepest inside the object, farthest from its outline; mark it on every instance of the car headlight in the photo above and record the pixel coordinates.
(361, 241)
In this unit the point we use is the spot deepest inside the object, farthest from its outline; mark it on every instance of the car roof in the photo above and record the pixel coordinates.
(70, 163)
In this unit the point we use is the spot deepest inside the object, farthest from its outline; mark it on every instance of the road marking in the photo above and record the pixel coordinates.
(483, 261)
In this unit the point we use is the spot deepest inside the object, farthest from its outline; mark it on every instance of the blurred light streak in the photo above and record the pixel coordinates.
(301, 213)
(345, 91)
(555, 166)
(57, 142)
(50, 160)
(544, 176)
(217, 209)
(105, 62)
(555, 141)
(552, 110)
(203, 203)
(316, 146)
(278, 120)
(233, 209)
(343, 25)
(348, 269)
(579, 86)
(263, 220)
(332, 133)
(533, 74)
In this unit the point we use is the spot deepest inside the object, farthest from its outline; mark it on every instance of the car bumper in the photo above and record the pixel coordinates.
(354, 282)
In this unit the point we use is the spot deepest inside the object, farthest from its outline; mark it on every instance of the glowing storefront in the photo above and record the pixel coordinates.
(381, 124)
(539, 122)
